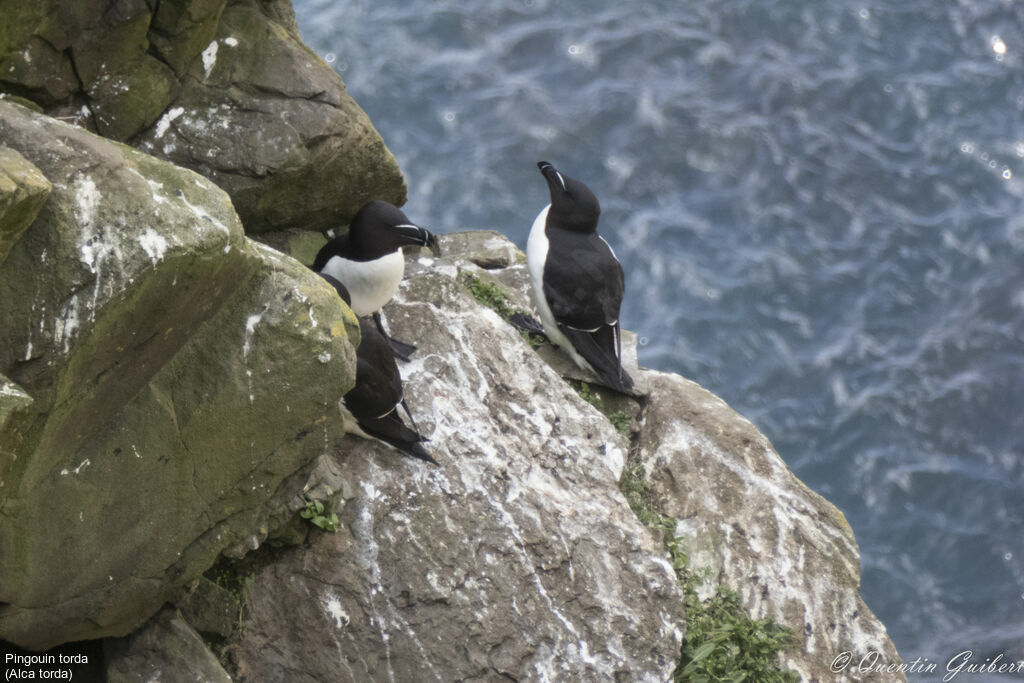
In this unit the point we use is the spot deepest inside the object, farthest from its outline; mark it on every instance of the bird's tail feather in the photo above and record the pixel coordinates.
(391, 430)
(602, 349)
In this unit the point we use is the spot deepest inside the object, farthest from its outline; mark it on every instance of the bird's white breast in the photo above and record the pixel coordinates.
(537, 245)
(370, 283)
(536, 256)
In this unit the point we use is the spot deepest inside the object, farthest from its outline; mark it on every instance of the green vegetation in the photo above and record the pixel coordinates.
(722, 642)
(634, 488)
(587, 393)
(235, 577)
(620, 419)
(490, 295)
(494, 297)
(314, 514)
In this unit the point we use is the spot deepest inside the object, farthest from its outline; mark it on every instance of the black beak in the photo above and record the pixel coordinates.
(432, 244)
(556, 181)
(414, 234)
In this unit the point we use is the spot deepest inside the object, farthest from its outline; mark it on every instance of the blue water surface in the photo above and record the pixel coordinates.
(818, 205)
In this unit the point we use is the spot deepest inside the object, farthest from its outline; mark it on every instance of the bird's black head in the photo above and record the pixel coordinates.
(573, 206)
(380, 228)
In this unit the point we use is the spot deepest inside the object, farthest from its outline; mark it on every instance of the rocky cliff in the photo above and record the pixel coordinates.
(169, 425)
(162, 375)
(224, 88)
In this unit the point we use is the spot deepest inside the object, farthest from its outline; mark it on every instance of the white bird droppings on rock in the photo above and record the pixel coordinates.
(209, 57)
(165, 121)
(153, 244)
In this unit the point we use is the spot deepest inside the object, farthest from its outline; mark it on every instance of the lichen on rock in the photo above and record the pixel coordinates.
(23, 190)
(226, 89)
(167, 381)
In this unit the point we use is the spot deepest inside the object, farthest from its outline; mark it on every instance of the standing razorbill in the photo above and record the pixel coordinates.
(370, 408)
(368, 260)
(577, 281)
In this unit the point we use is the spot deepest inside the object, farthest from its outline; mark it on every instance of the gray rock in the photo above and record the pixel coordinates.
(744, 516)
(166, 649)
(518, 557)
(105, 286)
(62, 53)
(180, 30)
(179, 375)
(757, 529)
(266, 119)
(210, 609)
(301, 245)
(34, 58)
(488, 249)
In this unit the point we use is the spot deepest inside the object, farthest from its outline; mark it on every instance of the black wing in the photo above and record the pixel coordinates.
(341, 289)
(373, 401)
(335, 247)
(583, 281)
(392, 430)
(603, 350)
(583, 285)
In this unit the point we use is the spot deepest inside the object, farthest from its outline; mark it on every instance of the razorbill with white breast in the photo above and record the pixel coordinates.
(577, 281)
(368, 259)
(370, 408)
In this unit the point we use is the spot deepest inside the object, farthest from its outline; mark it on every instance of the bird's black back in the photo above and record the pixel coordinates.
(583, 281)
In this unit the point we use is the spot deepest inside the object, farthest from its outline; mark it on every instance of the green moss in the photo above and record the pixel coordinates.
(634, 488)
(494, 297)
(490, 295)
(235, 577)
(586, 392)
(23, 101)
(722, 642)
(21, 20)
(620, 419)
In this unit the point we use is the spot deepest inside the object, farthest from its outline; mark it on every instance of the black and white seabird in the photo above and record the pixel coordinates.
(370, 408)
(577, 281)
(368, 259)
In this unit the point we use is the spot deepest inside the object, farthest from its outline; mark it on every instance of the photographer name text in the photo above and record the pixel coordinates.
(961, 663)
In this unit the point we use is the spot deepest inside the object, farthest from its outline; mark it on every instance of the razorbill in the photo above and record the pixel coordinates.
(368, 259)
(577, 281)
(370, 408)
